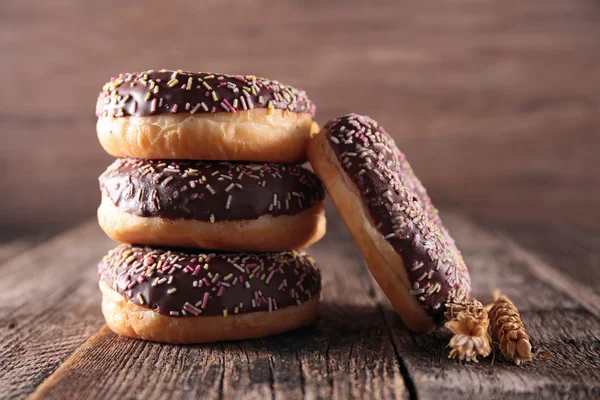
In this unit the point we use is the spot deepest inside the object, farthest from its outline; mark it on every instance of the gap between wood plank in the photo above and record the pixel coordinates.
(555, 278)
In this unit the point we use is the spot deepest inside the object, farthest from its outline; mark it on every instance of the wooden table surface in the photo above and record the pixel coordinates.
(496, 105)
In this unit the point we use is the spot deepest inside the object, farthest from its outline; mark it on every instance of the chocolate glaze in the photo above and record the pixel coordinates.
(401, 210)
(177, 283)
(178, 92)
(209, 191)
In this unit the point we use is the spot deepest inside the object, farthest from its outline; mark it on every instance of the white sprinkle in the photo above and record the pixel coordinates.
(274, 199)
(228, 202)
(231, 186)
(210, 189)
(204, 107)
(391, 235)
(334, 140)
(238, 267)
(196, 107)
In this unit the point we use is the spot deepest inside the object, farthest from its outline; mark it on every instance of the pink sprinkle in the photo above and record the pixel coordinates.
(221, 290)
(175, 107)
(269, 277)
(213, 109)
(153, 107)
(229, 105)
(205, 300)
(274, 304)
(206, 281)
(198, 268)
(132, 284)
(190, 310)
(415, 239)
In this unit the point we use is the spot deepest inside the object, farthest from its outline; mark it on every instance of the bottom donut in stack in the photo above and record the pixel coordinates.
(186, 296)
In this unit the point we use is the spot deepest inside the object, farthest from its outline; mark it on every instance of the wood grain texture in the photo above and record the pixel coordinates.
(48, 307)
(347, 354)
(359, 347)
(564, 334)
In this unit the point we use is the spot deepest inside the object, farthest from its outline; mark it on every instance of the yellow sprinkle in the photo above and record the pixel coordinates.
(189, 84)
(228, 277)
(148, 96)
(262, 278)
(214, 96)
(206, 266)
(171, 291)
(140, 298)
(235, 310)
(235, 103)
(156, 88)
(129, 259)
(215, 278)
(206, 85)
(212, 218)
(173, 82)
(240, 176)
(225, 312)
(260, 99)
(209, 77)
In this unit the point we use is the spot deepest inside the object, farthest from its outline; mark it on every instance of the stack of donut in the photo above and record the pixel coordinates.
(209, 200)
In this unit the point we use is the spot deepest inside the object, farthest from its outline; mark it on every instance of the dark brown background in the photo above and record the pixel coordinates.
(495, 104)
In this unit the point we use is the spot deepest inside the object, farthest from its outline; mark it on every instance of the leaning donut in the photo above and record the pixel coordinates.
(189, 297)
(203, 116)
(392, 220)
(211, 205)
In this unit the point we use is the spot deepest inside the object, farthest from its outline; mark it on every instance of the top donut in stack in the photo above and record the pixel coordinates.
(207, 160)
(203, 116)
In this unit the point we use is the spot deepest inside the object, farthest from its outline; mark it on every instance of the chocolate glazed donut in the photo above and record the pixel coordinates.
(189, 297)
(204, 116)
(212, 205)
(391, 217)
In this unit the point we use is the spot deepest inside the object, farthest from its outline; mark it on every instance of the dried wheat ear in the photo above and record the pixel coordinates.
(508, 330)
(469, 323)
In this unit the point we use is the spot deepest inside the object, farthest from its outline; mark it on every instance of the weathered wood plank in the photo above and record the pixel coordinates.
(565, 335)
(574, 250)
(14, 247)
(48, 307)
(358, 348)
(348, 353)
